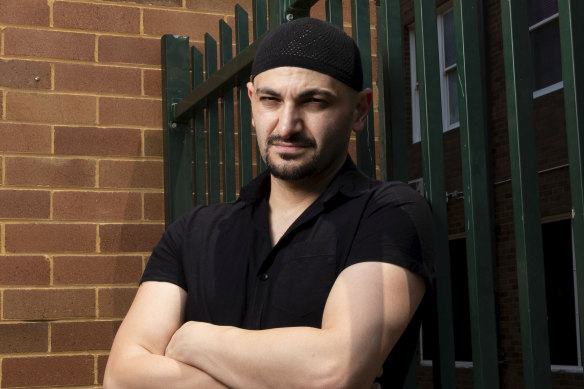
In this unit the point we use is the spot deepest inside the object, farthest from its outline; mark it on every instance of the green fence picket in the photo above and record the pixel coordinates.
(477, 193)
(243, 104)
(199, 151)
(361, 28)
(572, 43)
(433, 166)
(212, 125)
(227, 112)
(176, 135)
(525, 188)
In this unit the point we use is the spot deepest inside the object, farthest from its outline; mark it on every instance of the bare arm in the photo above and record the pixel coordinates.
(368, 309)
(137, 357)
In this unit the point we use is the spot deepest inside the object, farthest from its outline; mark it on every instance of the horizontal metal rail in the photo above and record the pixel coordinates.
(224, 79)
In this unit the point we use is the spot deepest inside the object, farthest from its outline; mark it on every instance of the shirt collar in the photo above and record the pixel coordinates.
(349, 181)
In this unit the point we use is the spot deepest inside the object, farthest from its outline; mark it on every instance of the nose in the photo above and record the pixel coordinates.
(289, 121)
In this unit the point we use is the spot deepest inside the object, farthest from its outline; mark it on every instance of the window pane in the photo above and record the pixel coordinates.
(541, 9)
(452, 97)
(449, 40)
(546, 55)
(561, 306)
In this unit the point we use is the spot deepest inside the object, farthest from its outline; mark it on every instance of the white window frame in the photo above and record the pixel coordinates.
(444, 74)
(415, 93)
(415, 88)
(557, 85)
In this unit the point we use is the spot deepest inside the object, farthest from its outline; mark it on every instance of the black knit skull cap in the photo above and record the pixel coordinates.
(312, 44)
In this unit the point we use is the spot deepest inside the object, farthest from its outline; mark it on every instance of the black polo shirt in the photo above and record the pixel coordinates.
(223, 257)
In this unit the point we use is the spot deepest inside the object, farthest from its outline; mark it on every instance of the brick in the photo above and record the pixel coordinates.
(93, 17)
(22, 74)
(25, 138)
(56, 238)
(171, 3)
(221, 6)
(24, 270)
(120, 49)
(23, 337)
(23, 204)
(83, 336)
(152, 83)
(98, 141)
(28, 12)
(49, 44)
(101, 364)
(153, 143)
(97, 79)
(97, 206)
(131, 174)
(194, 25)
(132, 112)
(50, 108)
(133, 238)
(54, 172)
(95, 270)
(115, 302)
(154, 206)
(41, 304)
(48, 371)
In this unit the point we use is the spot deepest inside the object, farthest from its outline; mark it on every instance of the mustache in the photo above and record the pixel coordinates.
(296, 139)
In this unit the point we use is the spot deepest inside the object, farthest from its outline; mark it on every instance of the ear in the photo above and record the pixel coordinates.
(362, 104)
(250, 95)
(250, 90)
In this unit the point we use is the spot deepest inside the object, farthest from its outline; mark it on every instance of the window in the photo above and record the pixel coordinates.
(544, 31)
(460, 308)
(448, 83)
(560, 273)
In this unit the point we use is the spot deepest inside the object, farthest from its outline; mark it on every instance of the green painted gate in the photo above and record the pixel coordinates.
(209, 148)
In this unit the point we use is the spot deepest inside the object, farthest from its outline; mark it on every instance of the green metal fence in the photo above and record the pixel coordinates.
(206, 162)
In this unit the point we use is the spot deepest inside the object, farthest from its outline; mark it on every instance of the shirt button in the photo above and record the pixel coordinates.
(264, 277)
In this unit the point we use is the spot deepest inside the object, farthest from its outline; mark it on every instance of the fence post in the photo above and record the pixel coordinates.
(433, 160)
(361, 27)
(199, 152)
(226, 49)
(178, 191)
(390, 83)
(212, 125)
(243, 104)
(572, 43)
(525, 188)
(477, 193)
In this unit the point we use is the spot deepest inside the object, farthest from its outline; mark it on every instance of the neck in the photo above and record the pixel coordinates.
(289, 199)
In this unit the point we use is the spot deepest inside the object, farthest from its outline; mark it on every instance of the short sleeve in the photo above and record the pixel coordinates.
(396, 228)
(165, 263)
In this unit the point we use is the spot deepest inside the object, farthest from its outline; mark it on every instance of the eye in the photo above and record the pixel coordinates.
(268, 100)
(316, 102)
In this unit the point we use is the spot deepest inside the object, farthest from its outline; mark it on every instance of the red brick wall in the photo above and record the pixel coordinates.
(81, 183)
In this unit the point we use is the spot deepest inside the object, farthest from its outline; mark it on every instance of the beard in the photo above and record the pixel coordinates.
(295, 172)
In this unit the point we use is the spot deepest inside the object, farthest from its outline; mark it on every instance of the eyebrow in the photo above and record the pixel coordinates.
(304, 94)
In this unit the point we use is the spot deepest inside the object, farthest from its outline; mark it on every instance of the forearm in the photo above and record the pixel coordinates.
(296, 357)
(145, 370)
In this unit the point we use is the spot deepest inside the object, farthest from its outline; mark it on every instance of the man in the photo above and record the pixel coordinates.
(312, 277)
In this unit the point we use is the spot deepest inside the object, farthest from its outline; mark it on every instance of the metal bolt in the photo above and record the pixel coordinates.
(37, 78)
(173, 125)
(289, 17)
